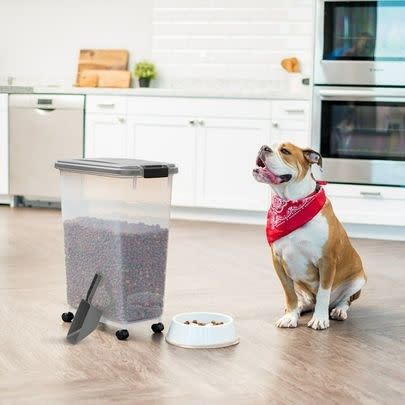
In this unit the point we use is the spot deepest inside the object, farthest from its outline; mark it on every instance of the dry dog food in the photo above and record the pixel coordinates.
(199, 323)
(131, 257)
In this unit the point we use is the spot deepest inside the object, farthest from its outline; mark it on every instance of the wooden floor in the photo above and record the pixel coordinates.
(210, 267)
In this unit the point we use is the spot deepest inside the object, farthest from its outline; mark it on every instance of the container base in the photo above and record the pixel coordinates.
(120, 325)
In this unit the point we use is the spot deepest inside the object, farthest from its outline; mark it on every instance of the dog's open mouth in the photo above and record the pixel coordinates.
(268, 174)
(259, 162)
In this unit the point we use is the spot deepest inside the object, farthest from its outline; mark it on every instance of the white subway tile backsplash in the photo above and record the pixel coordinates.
(229, 3)
(213, 71)
(300, 14)
(252, 28)
(234, 42)
(239, 39)
(230, 15)
(224, 57)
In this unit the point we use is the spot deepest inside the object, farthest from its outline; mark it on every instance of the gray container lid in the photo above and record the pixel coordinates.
(118, 167)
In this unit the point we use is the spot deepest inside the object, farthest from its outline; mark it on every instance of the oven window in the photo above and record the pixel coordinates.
(363, 130)
(364, 30)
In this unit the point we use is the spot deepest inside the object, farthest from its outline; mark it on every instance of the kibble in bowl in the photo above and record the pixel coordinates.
(200, 323)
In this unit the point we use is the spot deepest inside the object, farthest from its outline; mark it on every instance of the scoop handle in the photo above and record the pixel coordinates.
(93, 287)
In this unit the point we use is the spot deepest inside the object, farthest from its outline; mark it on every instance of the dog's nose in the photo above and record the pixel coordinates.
(267, 149)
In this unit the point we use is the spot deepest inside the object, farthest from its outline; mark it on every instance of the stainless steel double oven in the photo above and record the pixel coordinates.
(359, 93)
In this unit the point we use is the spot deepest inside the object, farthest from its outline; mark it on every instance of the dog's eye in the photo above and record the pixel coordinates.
(285, 151)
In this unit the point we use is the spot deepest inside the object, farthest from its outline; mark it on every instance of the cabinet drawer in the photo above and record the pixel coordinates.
(368, 204)
(106, 104)
(372, 211)
(367, 192)
(291, 110)
(199, 107)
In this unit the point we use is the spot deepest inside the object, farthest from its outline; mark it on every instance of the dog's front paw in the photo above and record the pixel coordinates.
(319, 322)
(289, 320)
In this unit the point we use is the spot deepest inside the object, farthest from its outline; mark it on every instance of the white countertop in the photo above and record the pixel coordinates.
(302, 94)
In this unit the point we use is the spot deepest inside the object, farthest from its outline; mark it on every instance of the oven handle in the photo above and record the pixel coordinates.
(360, 94)
(348, 93)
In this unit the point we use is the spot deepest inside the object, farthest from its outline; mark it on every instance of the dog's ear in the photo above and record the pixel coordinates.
(312, 156)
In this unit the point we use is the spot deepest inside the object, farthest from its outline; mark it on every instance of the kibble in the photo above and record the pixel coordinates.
(200, 323)
(131, 258)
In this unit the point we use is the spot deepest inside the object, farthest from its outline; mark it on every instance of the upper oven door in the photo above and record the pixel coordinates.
(360, 133)
(360, 42)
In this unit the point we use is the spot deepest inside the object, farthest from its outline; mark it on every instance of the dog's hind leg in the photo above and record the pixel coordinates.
(306, 301)
(343, 298)
(339, 312)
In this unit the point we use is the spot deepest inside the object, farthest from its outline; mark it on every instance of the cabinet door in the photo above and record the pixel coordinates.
(105, 136)
(291, 121)
(228, 149)
(291, 131)
(171, 140)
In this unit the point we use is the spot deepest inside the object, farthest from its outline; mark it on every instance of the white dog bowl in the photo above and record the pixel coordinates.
(202, 337)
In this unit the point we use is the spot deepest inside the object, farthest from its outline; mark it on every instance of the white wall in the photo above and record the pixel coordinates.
(234, 39)
(40, 39)
(205, 39)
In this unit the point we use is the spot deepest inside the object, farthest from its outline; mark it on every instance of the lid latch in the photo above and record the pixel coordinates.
(154, 171)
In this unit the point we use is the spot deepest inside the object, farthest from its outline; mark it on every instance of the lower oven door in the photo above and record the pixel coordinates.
(360, 133)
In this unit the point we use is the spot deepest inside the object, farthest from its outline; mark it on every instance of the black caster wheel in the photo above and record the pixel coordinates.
(67, 317)
(157, 327)
(122, 334)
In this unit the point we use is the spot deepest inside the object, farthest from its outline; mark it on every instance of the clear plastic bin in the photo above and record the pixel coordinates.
(116, 223)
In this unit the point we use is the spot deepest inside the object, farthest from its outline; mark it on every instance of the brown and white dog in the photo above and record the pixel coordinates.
(318, 267)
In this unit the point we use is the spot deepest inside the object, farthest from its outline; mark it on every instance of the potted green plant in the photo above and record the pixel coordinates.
(145, 71)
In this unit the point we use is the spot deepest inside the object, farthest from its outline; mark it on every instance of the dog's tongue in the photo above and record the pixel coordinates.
(271, 176)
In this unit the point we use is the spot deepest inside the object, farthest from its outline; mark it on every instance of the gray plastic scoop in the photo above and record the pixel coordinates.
(87, 317)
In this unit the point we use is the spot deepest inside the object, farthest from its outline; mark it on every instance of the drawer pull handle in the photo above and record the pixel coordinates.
(121, 120)
(275, 124)
(200, 122)
(370, 193)
(106, 105)
(192, 122)
(295, 111)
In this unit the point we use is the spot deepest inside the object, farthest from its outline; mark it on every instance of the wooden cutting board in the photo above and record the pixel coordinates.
(104, 78)
(103, 68)
(103, 59)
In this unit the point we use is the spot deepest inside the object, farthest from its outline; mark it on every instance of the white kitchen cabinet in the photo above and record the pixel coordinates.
(171, 140)
(4, 144)
(214, 142)
(359, 204)
(228, 149)
(106, 131)
(105, 104)
(208, 139)
(215, 158)
(105, 136)
(291, 122)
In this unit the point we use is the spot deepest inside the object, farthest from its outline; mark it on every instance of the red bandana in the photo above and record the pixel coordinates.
(285, 216)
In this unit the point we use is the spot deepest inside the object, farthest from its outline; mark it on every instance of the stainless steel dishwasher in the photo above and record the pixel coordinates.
(43, 128)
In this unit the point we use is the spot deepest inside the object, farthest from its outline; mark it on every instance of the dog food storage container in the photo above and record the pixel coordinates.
(116, 223)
